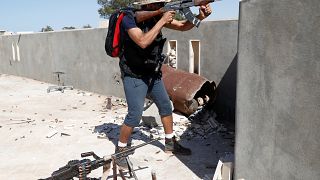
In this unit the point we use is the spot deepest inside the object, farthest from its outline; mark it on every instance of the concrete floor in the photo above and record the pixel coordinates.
(28, 114)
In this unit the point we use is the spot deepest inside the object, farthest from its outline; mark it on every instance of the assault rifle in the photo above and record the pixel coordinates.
(183, 6)
(81, 168)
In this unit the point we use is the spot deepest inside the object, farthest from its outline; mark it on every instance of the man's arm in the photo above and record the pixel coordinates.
(204, 11)
(144, 15)
(145, 39)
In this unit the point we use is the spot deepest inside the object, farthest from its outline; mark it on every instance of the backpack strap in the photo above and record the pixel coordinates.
(126, 11)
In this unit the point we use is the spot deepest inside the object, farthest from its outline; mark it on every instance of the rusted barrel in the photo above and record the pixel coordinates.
(187, 90)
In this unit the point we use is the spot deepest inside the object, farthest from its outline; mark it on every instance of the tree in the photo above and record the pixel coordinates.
(46, 29)
(67, 28)
(179, 17)
(110, 6)
(87, 26)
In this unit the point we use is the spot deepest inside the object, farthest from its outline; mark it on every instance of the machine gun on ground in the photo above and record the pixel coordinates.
(81, 168)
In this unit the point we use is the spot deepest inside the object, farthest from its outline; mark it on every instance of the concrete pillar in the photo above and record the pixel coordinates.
(278, 90)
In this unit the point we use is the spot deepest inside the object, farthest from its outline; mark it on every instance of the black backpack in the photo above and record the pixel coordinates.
(115, 36)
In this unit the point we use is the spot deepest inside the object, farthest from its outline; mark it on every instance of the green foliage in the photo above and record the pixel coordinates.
(178, 17)
(87, 26)
(110, 6)
(67, 28)
(46, 29)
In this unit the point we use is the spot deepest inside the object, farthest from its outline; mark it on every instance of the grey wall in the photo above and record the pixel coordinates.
(218, 59)
(278, 90)
(218, 41)
(80, 54)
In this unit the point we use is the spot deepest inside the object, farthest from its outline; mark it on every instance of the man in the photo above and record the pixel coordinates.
(139, 68)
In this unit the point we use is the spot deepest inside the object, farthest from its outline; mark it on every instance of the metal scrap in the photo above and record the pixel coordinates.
(188, 91)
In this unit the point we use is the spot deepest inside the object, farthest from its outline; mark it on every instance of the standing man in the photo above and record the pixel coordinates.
(139, 62)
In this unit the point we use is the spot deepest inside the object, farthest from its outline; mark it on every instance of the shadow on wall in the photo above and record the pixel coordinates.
(220, 144)
(225, 102)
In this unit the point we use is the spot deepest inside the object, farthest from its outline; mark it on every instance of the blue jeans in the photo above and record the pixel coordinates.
(136, 91)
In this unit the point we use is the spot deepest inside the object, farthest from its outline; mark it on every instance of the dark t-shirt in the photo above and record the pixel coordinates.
(128, 22)
(135, 61)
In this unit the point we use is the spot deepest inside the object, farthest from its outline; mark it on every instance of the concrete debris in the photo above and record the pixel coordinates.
(68, 127)
(224, 169)
(102, 136)
(65, 134)
(51, 133)
(82, 93)
(199, 127)
(22, 121)
(52, 126)
(212, 123)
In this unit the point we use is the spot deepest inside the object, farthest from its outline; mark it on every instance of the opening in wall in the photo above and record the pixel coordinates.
(194, 56)
(13, 52)
(172, 53)
(18, 52)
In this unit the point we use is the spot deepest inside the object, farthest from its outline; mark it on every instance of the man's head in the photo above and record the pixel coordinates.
(151, 4)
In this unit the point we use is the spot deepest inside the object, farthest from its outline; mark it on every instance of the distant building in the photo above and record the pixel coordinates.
(4, 32)
(104, 23)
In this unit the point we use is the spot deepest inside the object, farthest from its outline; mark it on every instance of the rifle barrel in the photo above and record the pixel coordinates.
(133, 148)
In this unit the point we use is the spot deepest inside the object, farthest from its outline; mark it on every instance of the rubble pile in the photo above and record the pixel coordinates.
(201, 124)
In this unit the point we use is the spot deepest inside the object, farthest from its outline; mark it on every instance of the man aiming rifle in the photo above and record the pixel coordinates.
(183, 6)
(139, 62)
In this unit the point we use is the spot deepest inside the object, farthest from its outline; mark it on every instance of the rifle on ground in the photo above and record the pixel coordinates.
(183, 6)
(81, 168)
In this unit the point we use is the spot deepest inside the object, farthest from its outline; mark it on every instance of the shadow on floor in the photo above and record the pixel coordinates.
(209, 141)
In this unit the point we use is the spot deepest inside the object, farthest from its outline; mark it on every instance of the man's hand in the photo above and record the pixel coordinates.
(204, 11)
(167, 17)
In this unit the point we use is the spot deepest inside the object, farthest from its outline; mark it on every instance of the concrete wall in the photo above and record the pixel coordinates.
(80, 54)
(278, 90)
(218, 59)
(218, 45)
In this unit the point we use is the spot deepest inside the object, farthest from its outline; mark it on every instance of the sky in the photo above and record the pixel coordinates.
(33, 15)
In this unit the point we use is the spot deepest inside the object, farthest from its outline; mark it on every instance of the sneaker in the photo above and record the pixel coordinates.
(122, 161)
(173, 146)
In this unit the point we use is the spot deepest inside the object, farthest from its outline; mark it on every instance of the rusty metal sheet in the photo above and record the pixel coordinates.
(186, 88)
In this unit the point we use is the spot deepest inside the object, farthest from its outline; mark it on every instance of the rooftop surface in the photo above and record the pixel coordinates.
(40, 132)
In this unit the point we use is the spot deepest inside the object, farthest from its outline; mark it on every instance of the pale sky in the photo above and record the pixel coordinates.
(33, 15)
